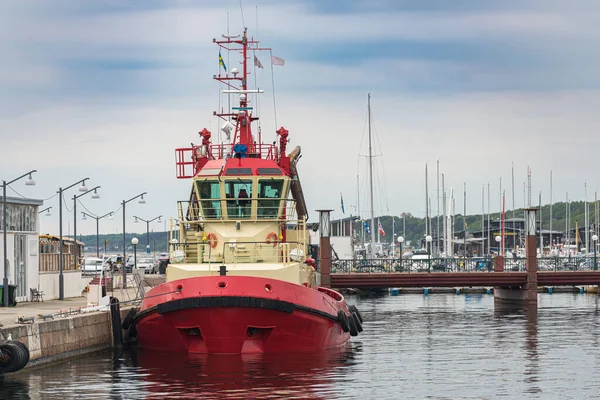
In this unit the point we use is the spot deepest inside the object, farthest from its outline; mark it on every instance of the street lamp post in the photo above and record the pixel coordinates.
(148, 228)
(498, 239)
(75, 197)
(400, 241)
(134, 242)
(46, 209)
(141, 201)
(595, 243)
(97, 229)
(61, 280)
(428, 239)
(28, 182)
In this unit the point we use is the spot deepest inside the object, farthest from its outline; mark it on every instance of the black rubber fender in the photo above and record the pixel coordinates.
(352, 309)
(353, 328)
(133, 331)
(344, 321)
(357, 322)
(12, 357)
(24, 348)
(127, 321)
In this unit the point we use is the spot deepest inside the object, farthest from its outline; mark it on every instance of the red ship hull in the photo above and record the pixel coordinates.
(240, 315)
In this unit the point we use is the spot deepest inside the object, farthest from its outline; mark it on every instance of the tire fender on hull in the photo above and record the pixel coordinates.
(353, 328)
(352, 309)
(344, 321)
(357, 322)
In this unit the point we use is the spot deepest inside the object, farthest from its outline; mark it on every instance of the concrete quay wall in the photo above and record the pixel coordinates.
(63, 338)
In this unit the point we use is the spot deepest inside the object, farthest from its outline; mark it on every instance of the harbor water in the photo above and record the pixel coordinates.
(413, 346)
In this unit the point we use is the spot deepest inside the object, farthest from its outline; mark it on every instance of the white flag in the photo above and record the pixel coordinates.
(257, 62)
(277, 61)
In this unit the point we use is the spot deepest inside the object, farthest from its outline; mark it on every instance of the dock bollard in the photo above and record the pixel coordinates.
(115, 314)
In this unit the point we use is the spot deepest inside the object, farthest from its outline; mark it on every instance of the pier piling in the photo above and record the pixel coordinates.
(526, 295)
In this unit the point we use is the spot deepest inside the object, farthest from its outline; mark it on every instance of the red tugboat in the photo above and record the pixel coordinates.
(239, 279)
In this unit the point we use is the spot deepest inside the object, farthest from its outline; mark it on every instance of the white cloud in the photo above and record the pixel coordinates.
(125, 142)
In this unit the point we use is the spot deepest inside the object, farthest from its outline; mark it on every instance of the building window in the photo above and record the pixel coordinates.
(19, 217)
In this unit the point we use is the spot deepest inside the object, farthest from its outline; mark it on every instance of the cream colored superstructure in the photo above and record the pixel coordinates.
(262, 237)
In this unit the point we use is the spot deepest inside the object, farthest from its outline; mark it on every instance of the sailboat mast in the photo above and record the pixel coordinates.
(426, 210)
(465, 222)
(362, 228)
(482, 219)
(541, 236)
(373, 227)
(444, 222)
(586, 216)
(513, 204)
(437, 250)
(489, 226)
(551, 205)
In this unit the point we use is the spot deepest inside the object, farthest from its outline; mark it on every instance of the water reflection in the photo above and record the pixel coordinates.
(413, 346)
(289, 375)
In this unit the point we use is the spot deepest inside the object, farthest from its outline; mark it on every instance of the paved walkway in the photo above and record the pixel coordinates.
(10, 315)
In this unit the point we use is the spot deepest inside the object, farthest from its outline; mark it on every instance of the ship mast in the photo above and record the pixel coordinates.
(373, 227)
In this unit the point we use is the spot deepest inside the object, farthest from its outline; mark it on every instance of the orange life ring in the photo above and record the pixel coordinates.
(211, 238)
(272, 237)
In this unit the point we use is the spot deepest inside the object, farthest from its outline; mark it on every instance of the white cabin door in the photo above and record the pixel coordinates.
(21, 267)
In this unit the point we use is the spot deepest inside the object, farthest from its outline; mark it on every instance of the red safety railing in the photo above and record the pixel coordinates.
(185, 166)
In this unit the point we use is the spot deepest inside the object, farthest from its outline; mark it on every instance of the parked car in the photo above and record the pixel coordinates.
(148, 264)
(93, 265)
(163, 261)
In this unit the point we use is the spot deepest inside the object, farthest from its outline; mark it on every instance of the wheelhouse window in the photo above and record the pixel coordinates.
(238, 171)
(269, 197)
(269, 171)
(238, 195)
(210, 198)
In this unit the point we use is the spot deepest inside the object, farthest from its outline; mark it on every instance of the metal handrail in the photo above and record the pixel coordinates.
(267, 209)
(449, 265)
(271, 251)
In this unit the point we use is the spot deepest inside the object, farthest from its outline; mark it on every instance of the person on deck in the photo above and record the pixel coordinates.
(243, 203)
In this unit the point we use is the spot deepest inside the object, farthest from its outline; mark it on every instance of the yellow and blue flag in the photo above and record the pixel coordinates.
(221, 62)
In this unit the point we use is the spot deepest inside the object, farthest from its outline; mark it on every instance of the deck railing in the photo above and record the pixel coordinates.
(50, 262)
(239, 252)
(274, 209)
(478, 264)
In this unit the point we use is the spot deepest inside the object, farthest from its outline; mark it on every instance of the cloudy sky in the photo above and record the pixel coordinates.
(108, 89)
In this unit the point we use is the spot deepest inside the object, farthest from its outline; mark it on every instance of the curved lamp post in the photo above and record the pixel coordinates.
(75, 197)
(47, 210)
(61, 280)
(97, 228)
(28, 182)
(147, 228)
(141, 201)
